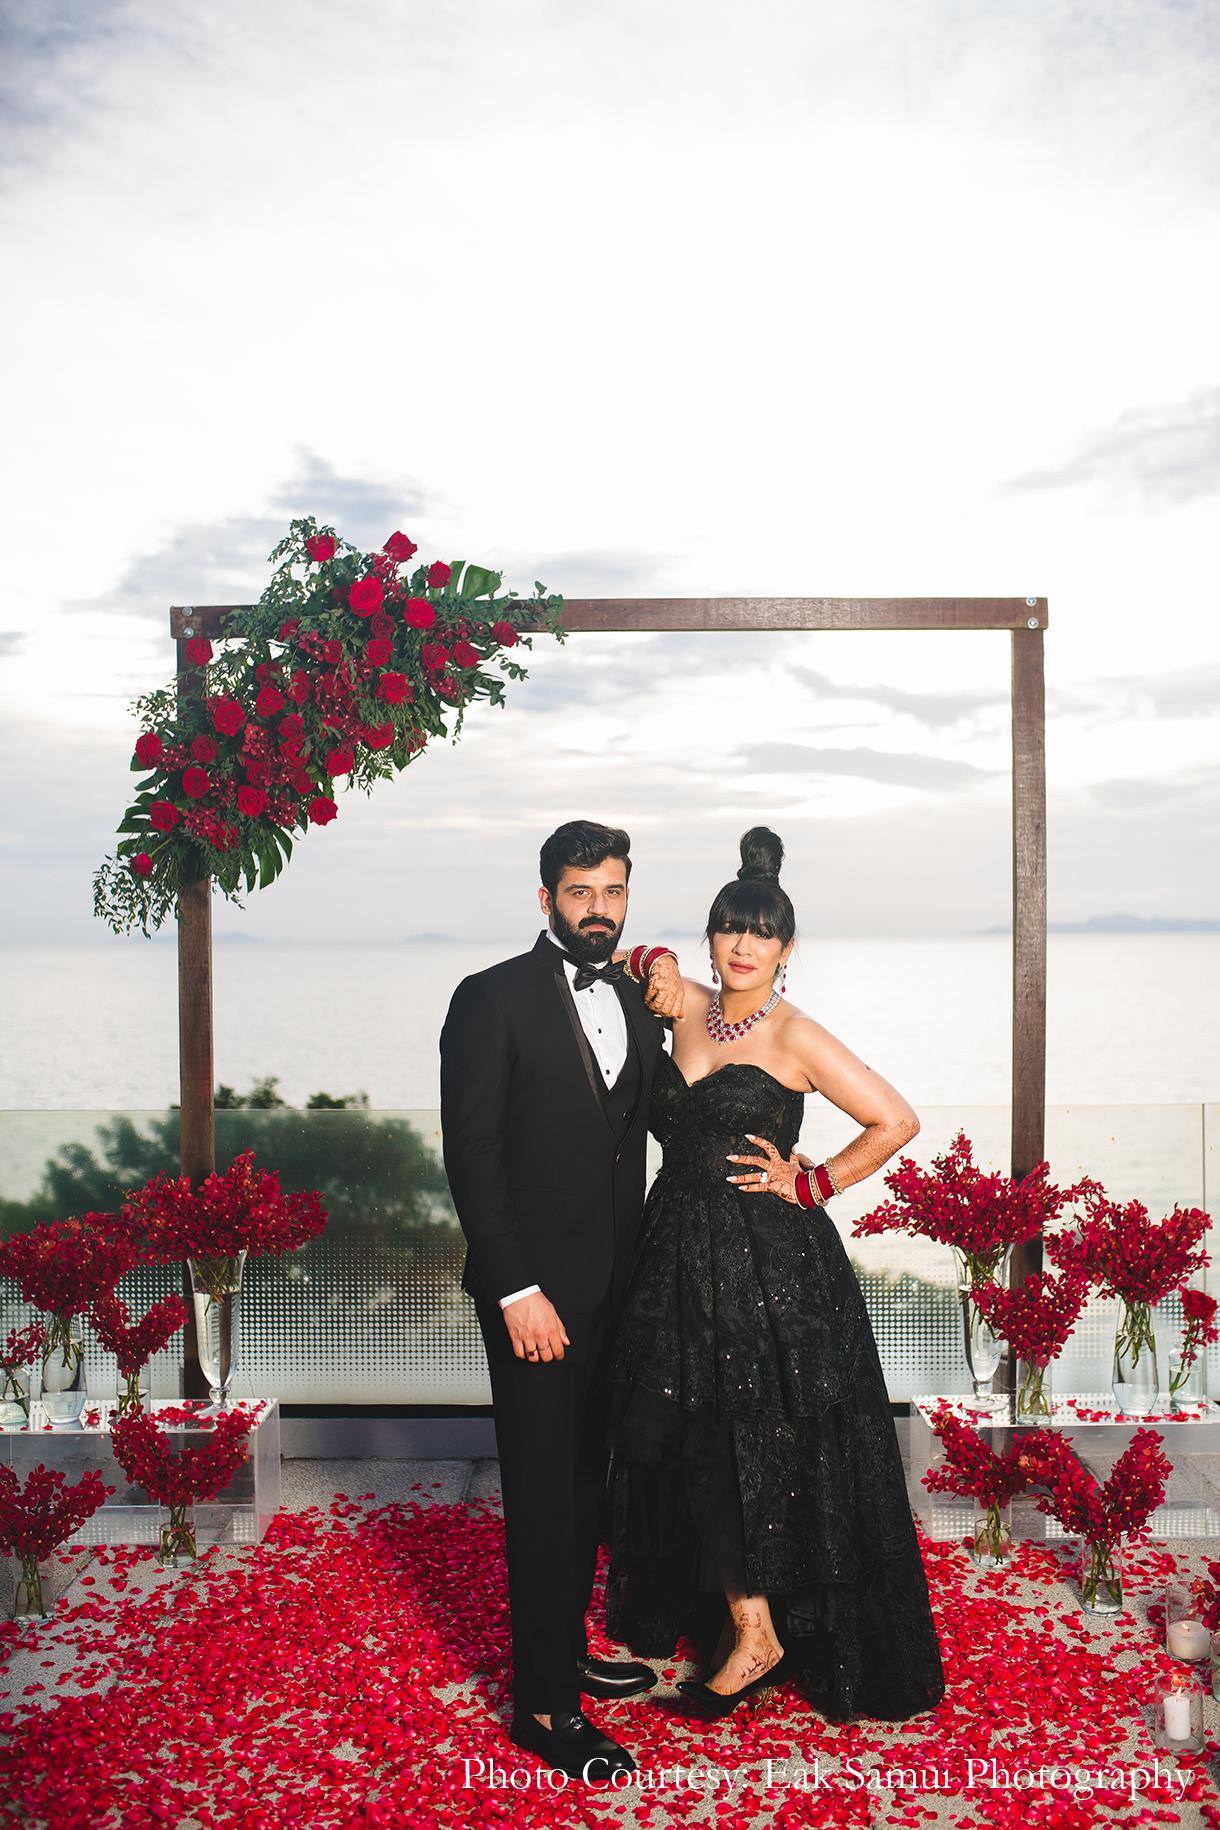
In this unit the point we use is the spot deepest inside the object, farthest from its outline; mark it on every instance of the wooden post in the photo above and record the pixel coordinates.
(197, 1116)
(1028, 919)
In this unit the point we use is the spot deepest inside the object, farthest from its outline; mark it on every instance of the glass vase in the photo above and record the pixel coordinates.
(133, 1394)
(29, 1599)
(64, 1391)
(1101, 1577)
(1136, 1379)
(984, 1348)
(1033, 1398)
(1185, 1384)
(177, 1545)
(216, 1299)
(991, 1545)
(15, 1398)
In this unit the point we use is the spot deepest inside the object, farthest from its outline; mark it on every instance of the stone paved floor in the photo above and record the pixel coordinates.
(308, 1483)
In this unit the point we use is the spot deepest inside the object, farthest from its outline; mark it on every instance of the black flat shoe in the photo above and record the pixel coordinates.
(718, 1705)
(571, 1745)
(599, 1677)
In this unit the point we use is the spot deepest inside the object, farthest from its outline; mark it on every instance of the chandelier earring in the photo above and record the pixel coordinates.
(715, 974)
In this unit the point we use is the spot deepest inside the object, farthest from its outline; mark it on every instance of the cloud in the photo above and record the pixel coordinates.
(225, 562)
(933, 709)
(11, 642)
(1135, 796)
(906, 769)
(1161, 456)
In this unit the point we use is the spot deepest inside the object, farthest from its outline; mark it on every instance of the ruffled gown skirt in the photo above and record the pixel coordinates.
(754, 1442)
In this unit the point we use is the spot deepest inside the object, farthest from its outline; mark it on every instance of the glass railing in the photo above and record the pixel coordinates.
(372, 1312)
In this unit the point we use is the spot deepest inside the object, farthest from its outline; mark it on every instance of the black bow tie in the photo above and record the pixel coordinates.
(595, 975)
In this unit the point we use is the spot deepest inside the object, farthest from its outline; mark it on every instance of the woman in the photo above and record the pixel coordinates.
(755, 1454)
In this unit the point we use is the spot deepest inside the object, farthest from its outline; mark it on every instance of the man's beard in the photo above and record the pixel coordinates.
(588, 946)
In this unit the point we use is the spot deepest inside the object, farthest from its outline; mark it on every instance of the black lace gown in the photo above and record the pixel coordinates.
(752, 1427)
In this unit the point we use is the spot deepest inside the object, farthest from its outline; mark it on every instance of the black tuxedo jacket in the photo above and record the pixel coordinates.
(546, 1190)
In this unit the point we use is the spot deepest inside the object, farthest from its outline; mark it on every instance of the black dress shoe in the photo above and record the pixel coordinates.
(572, 1745)
(600, 1677)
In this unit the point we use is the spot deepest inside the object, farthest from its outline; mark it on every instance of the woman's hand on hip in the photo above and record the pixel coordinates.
(769, 1174)
(535, 1330)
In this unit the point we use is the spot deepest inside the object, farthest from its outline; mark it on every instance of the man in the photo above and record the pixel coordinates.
(546, 1072)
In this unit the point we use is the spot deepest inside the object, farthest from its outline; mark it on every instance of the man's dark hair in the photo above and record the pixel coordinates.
(580, 845)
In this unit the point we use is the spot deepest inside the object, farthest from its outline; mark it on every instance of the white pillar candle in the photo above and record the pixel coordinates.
(1187, 1639)
(1177, 1715)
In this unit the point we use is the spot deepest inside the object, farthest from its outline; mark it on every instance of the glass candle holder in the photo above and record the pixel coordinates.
(1215, 1664)
(1177, 1718)
(1186, 1638)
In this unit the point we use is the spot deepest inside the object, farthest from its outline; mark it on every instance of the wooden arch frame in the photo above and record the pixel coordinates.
(1025, 617)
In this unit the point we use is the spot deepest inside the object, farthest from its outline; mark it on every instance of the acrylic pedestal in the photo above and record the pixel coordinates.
(1099, 1435)
(239, 1514)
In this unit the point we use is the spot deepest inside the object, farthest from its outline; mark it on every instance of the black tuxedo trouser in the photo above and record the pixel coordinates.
(551, 1438)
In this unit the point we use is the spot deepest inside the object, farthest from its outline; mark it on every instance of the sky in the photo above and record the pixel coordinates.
(677, 297)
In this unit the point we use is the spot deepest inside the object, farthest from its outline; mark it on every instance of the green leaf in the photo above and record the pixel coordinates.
(480, 582)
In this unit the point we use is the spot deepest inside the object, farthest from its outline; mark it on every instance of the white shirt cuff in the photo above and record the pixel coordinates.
(529, 1290)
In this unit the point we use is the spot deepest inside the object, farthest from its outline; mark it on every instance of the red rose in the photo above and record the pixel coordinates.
(292, 726)
(332, 652)
(322, 811)
(320, 547)
(433, 655)
(299, 688)
(381, 625)
(199, 652)
(267, 672)
(141, 864)
(340, 762)
(379, 736)
(251, 801)
(439, 573)
(205, 749)
(394, 688)
(227, 716)
(366, 595)
(419, 613)
(290, 630)
(164, 816)
(464, 655)
(505, 634)
(301, 781)
(196, 782)
(149, 750)
(399, 548)
(379, 651)
(269, 702)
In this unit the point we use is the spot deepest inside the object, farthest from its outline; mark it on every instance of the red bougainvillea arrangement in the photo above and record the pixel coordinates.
(38, 1515)
(1198, 1330)
(133, 1345)
(1100, 1515)
(178, 1475)
(974, 1471)
(346, 668)
(18, 1354)
(957, 1204)
(243, 1210)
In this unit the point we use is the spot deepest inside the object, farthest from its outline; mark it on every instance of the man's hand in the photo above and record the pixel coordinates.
(535, 1330)
(665, 993)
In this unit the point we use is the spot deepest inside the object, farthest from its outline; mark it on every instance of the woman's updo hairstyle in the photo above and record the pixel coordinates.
(755, 903)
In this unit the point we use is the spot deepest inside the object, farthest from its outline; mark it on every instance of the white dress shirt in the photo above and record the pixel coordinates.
(601, 1018)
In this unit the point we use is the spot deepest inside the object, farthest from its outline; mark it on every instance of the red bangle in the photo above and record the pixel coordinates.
(802, 1191)
(635, 962)
(826, 1187)
(654, 954)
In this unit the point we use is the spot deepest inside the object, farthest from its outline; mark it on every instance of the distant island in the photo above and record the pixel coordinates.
(1122, 924)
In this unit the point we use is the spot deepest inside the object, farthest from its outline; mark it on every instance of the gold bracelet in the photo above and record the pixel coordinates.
(834, 1180)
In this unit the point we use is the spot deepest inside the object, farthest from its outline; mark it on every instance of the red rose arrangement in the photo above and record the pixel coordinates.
(243, 1210)
(178, 1477)
(1198, 1330)
(1129, 1255)
(368, 658)
(19, 1352)
(133, 1346)
(40, 1514)
(1100, 1515)
(959, 1205)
